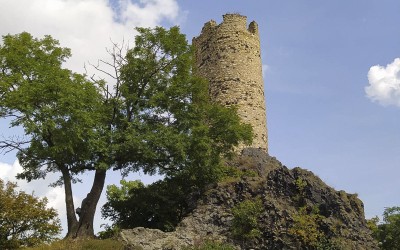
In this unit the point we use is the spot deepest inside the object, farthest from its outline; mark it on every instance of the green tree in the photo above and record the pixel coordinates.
(24, 219)
(387, 233)
(157, 118)
(60, 112)
(160, 205)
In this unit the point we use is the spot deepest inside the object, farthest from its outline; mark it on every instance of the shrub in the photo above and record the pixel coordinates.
(245, 219)
(306, 228)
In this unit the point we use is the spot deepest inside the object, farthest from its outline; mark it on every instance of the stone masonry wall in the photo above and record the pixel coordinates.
(228, 56)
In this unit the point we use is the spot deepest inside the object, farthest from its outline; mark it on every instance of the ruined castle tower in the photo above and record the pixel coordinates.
(228, 56)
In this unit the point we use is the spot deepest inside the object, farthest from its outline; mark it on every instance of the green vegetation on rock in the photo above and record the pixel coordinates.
(245, 223)
(306, 227)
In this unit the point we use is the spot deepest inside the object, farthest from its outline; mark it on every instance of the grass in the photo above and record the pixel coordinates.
(211, 245)
(90, 244)
(94, 244)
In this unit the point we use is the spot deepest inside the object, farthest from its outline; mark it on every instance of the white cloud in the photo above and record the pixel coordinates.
(151, 15)
(85, 26)
(384, 84)
(8, 172)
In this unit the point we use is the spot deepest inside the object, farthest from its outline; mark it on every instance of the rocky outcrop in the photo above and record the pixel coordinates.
(292, 200)
(152, 239)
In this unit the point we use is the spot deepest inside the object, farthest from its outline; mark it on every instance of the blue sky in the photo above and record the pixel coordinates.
(317, 56)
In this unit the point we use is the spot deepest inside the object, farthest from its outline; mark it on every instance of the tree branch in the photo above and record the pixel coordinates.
(8, 145)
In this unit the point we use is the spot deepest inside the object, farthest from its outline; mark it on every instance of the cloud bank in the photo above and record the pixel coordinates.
(85, 26)
(384, 84)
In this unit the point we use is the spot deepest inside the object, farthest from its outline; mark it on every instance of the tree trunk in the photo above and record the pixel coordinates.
(89, 204)
(69, 203)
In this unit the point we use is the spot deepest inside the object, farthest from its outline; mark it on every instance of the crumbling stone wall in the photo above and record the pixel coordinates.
(228, 56)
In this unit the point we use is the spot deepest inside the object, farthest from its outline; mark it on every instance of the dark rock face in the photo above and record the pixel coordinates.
(283, 193)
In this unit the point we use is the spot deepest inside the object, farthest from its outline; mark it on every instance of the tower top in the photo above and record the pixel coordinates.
(234, 21)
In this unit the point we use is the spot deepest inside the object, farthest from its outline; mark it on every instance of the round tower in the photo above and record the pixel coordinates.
(228, 56)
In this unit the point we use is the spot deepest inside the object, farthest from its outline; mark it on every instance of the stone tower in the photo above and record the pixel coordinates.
(228, 56)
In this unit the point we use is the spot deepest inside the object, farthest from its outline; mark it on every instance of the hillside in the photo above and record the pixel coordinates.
(285, 209)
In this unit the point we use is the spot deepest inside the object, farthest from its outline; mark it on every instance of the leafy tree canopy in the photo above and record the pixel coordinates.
(55, 107)
(24, 219)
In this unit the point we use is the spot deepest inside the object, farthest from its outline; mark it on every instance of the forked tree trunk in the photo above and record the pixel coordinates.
(85, 224)
(84, 227)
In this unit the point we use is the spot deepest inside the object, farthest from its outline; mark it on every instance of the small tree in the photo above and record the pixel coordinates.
(388, 232)
(24, 219)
